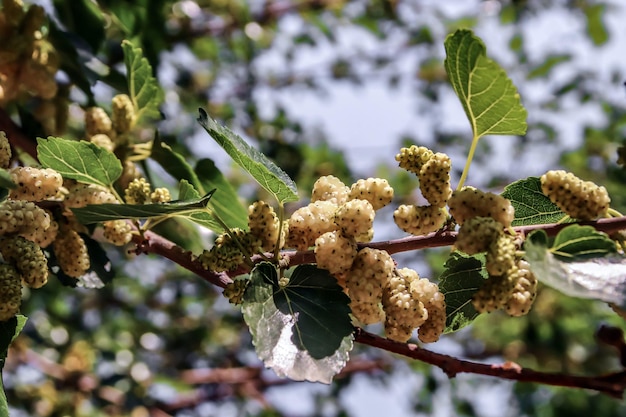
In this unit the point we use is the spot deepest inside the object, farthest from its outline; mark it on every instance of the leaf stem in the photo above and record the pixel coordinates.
(470, 157)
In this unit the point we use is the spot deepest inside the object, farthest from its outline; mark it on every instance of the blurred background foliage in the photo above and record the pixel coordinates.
(158, 341)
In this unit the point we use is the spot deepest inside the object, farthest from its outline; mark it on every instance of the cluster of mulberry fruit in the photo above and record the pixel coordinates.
(433, 171)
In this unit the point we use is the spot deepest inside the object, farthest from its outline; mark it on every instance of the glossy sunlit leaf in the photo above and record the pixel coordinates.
(489, 98)
(95, 213)
(265, 172)
(301, 330)
(531, 204)
(79, 160)
(578, 274)
(462, 277)
(143, 88)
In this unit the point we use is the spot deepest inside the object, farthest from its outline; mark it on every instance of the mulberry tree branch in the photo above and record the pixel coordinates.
(611, 384)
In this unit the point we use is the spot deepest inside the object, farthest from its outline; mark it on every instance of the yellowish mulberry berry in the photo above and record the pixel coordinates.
(236, 290)
(80, 195)
(335, 252)
(375, 190)
(137, 192)
(226, 254)
(310, 222)
(330, 188)
(477, 234)
(97, 121)
(5, 151)
(123, 113)
(22, 217)
(71, 253)
(434, 302)
(434, 179)
(160, 195)
(501, 255)
(117, 232)
(28, 259)
(104, 141)
(419, 220)
(582, 200)
(264, 224)
(10, 292)
(35, 184)
(43, 237)
(355, 217)
(413, 158)
(403, 309)
(470, 202)
(524, 292)
(370, 271)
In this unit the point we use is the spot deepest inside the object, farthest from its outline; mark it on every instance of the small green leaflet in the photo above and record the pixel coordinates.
(463, 276)
(143, 88)
(95, 213)
(302, 330)
(79, 160)
(9, 330)
(491, 101)
(265, 172)
(531, 204)
(581, 263)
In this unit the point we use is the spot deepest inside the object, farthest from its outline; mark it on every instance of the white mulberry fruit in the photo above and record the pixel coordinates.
(419, 220)
(434, 180)
(355, 217)
(330, 188)
(582, 200)
(470, 202)
(310, 222)
(335, 252)
(10, 292)
(35, 184)
(375, 190)
(28, 259)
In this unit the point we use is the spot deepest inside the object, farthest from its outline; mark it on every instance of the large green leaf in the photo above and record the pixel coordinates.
(581, 263)
(9, 329)
(301, 330)
(83, 18)
(206, 176)
(264, 171)
(143, 88)
(95, 213)
(462, 277)
(489, 98)
(79, 160)
(531, 204)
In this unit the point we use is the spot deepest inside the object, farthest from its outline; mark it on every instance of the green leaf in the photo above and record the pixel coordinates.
(302, 330)
(143, 88)
(462, 277)
(79, 160)
(265, 172)
(225, 202)
(206, 176)
(5, 179)
(83, 18)
(596, 29)
(186, 192)
(489, 98)
(598, 278)
(547, 65)
(531, 204)
(9, 330)
(174, 164)
(95, 213)
(577, 242)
